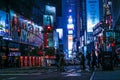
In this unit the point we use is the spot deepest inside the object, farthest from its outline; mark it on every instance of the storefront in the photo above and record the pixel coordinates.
(19, 41)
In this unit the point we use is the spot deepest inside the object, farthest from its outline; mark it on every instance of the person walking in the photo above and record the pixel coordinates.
(88, 57)
(99, 59)
(62, 61)
(82, 60)
(116, 59)
(57, 60)
(94, 63)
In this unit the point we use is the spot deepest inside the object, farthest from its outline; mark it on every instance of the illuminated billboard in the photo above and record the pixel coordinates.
(56, 39)
(3, 30)
(60, 32)
(14, 26)
(70, 42)
(48, 20)
(30, 33)
(50, 10)
(92, 14)
(38, 39)
(70, 26)
(70, 31)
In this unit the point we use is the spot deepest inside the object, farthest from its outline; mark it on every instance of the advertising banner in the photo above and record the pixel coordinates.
(92, 14)
(14, 26)
(3, 31)
(38, 39)
(48, 20)
(51, 10)
(24, 31)
(23, 36)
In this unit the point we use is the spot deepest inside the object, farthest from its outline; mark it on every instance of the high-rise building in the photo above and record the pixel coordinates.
(116, 14)
(70, 22)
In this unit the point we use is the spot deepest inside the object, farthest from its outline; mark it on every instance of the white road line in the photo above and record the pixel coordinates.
(20, 74)
(12, 78)
(74, 74)
(12, 74)
(71, 70)
(92, 76)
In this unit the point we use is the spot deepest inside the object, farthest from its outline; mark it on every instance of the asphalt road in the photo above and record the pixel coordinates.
(71, 73)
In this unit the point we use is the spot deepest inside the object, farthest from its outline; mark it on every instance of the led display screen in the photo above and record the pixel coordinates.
(60, 32)
(92, 14)
(3, 30)
(48, 20)
(30, 33)
(50, 10)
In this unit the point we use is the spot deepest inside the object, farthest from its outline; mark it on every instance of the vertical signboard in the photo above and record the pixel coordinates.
(92, 14)
(4, 26)
(50, 40)
(70, 42)
(14, 26)
(51, 10)
(48, 20)
(60, 33)
(23, 31)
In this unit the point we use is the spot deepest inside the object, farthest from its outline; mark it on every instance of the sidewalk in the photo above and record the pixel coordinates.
(26, 69)
(99, 74)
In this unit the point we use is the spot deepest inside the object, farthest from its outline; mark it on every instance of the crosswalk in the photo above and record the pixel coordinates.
(71, 72)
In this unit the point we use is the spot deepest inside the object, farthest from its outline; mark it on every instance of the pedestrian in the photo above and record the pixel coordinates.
(82, 60)
(116, 60)
(99, 58)
(62, 61)
(94, 59)
(88, 57)
(57, 59)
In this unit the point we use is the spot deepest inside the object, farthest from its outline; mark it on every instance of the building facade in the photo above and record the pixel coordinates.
(21, 35)
(71, 25)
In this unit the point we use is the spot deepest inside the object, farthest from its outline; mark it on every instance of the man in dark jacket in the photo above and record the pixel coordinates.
(82, 60)
(88, 57)
(62, 61)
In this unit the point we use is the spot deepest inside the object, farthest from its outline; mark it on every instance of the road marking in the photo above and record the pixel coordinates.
(64, 73)
(21, 74)
(71, 70)
(92, 77)
(12, 74)
(74, 74)
(12, 78)
(79, 70)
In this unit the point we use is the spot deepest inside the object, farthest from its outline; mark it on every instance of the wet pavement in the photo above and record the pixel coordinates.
(100, 74)
(71, 73)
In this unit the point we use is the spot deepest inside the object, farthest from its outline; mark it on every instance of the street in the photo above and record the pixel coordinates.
(99, 74)
(71, 73)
